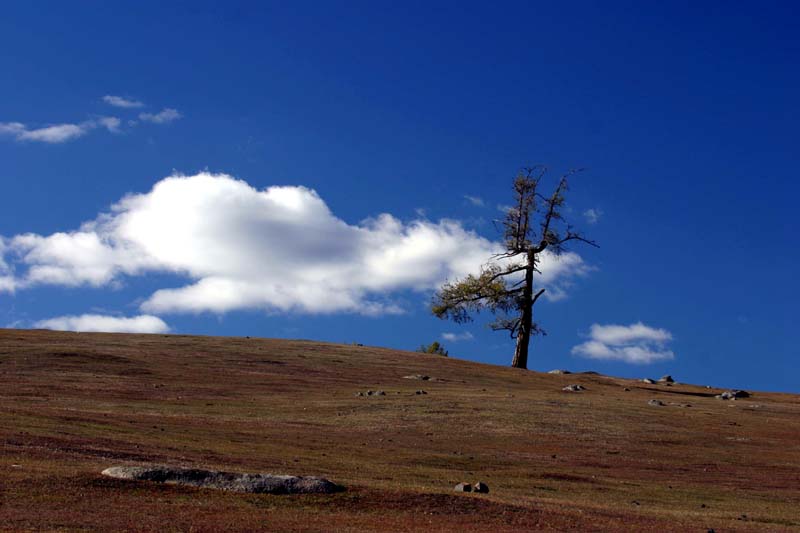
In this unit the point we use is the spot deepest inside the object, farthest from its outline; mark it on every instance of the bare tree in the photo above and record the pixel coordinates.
(505, 285)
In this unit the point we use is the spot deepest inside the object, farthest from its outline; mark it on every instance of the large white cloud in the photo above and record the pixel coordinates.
(280, 248)
(636, 343)
(107, 324)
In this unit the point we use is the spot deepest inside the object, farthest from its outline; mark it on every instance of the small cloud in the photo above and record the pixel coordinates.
(119, 101)
(420, 212)
(455, 337)
(474, 200)
(504, 208)
(165, 116)
(636, 343)
(592, 215)
(57, 133)
(112, 124)
(105, 323)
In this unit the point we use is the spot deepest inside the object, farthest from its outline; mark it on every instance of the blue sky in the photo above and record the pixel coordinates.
(685, 117)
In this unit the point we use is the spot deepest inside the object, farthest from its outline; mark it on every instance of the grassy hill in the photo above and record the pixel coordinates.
(604, 459)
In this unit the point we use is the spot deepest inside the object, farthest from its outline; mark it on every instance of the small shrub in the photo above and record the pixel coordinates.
(433, 348)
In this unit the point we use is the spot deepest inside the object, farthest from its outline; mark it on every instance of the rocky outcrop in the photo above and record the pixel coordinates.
(252, 483)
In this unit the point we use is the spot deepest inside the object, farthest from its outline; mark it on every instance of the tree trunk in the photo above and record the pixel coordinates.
(526, 323)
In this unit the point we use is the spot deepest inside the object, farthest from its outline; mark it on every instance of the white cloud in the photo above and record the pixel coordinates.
(474, 200)
(104, 323)
(57, 133)
(112, 124)
(7, 282)
(165, 116)
(279, 249)
(592, 215)
(54, 134)
(119, 101)
(636, 343)
(455, 337)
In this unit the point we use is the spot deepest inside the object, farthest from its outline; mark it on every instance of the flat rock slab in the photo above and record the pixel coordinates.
(252, 483)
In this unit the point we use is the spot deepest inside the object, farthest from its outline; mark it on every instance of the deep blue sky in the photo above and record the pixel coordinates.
(685, 116)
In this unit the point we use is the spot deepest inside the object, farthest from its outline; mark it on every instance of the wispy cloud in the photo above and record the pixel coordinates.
(455, 337)
(477, 201)
(69, 131)
(592, 215)
(105, 323)
(120, 101)
(58, 133)
(636, 343)
(165, 116)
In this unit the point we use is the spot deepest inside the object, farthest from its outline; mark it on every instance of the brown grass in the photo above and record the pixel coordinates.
(602, 460)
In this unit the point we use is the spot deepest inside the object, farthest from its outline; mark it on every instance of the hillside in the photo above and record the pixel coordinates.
(603, 459)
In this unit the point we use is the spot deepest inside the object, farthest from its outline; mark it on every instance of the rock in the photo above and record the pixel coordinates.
(556, 371)
(252, 483)
(420, 377)
(666, 379)
(657, 403)
(481, 487)
(380, 393)
(626, 389)
(463, 487)
(574, 388)
(733, 395)
(420, 392)
(648, 381)
(359, 394)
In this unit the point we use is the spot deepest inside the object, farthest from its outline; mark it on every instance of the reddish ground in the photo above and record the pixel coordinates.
(601, 460)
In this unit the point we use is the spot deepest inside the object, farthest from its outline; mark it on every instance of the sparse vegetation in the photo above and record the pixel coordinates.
(76, 404)
(433, 348)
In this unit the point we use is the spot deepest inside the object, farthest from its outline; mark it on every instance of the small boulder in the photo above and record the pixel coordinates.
(481, 487)
(649, 381)
(574, 388)
(657, 403)
(557, 371)
(420, 392)
(666, 379)
(463, 487)
(420, 377)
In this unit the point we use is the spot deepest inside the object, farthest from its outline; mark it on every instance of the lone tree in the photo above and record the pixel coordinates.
(505, 285)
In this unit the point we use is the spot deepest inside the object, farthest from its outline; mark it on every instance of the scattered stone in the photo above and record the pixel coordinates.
(733, 395)
(420, 377)
(574, 388)
(359, 394)
(657, 403)
(463, 487)
(252, 483)
(649, 381)
(371, 393)
(666, 379)
(634, 502)
(557, 371)
(420, 392)
(626, 389)
(481, 487)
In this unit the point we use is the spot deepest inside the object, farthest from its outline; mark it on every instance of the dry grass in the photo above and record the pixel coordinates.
(602, 460)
